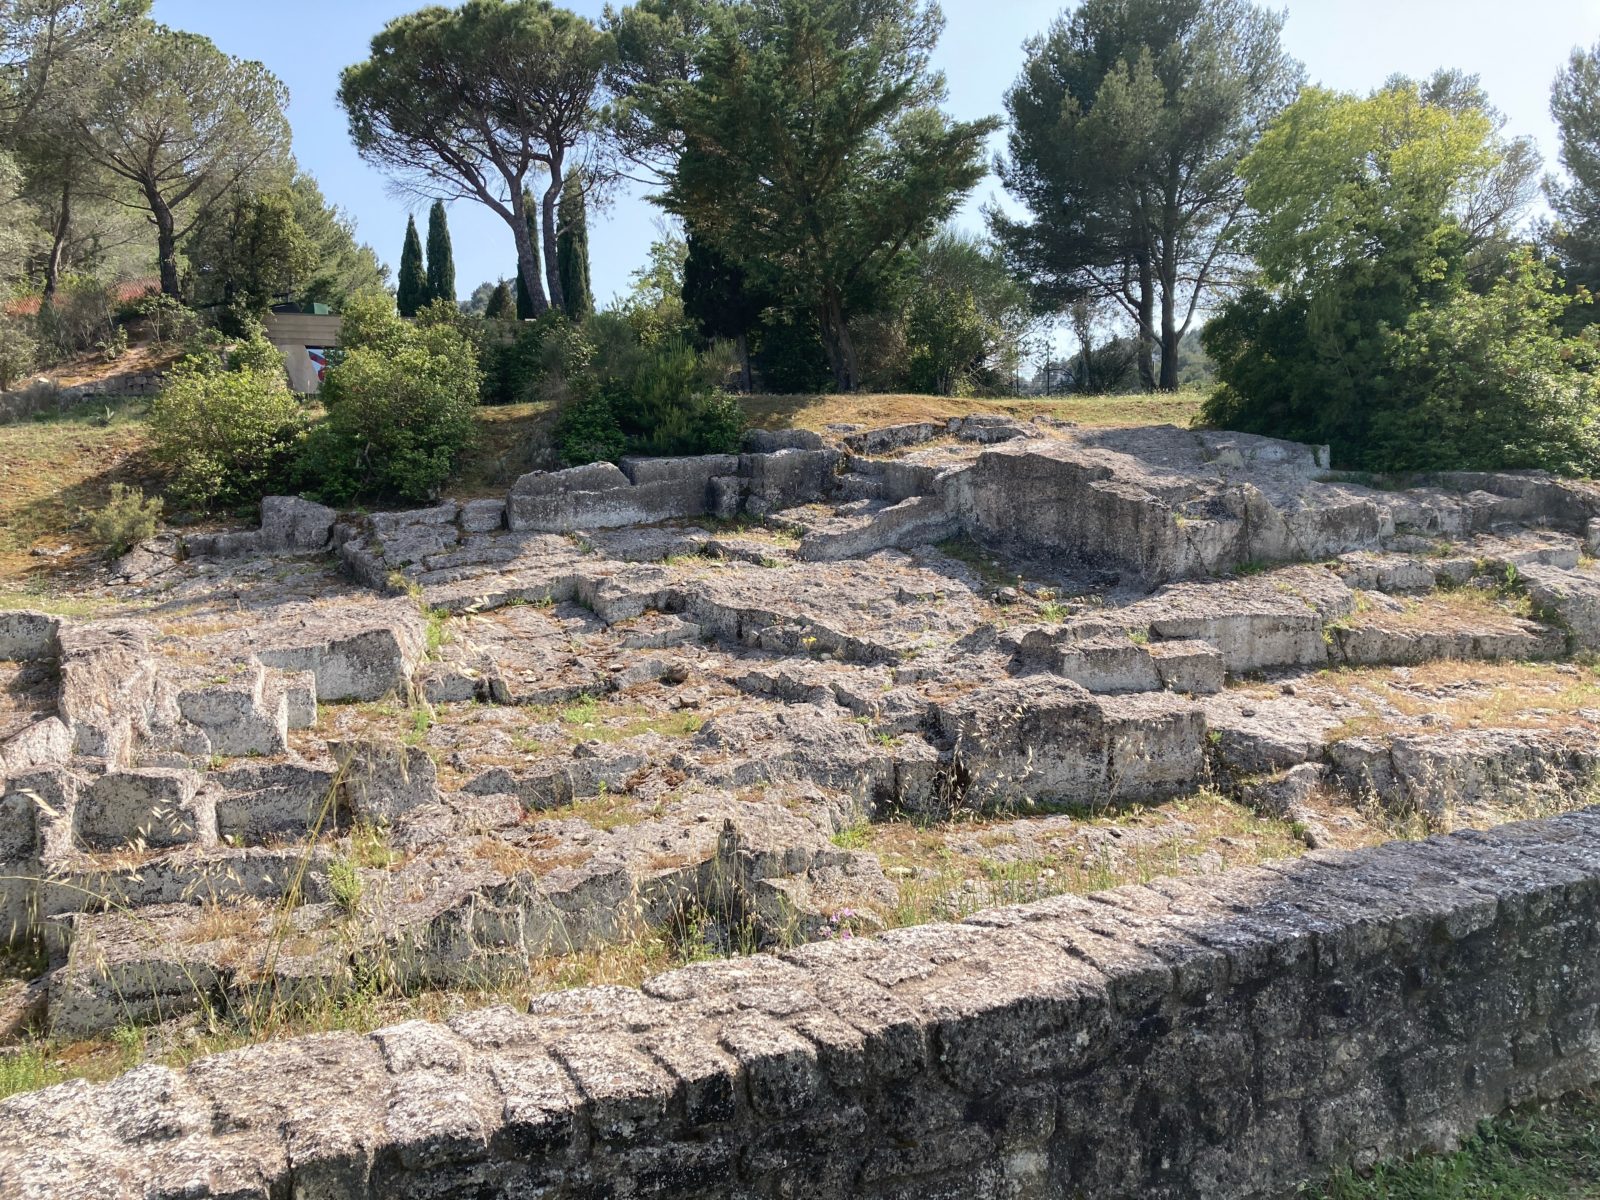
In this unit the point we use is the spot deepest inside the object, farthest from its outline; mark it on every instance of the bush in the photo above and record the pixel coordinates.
(169, 321)
(535, 361)
(671, 405)
(400, 400)
(18, 353)
(1464, 380)
(126, 520)
(78, 318)
(228, 437)
(587, 431)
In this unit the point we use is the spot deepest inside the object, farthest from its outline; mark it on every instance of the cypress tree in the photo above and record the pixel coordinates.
(500, 302)
(572, 251)
(525, 308)
(441, 263)
(411, 291)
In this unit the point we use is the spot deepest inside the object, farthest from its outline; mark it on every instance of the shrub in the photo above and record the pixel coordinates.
(169, 321)
(532, 361)
(587, 431)
(227, 436)
(400, 401)
(126, 520)
(671, 406)
(78, 317)
(18, 353)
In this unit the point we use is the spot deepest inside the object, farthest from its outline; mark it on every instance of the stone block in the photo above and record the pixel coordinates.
(28, 636)
(295, 526)
(1192, 667)
(260, 802)
(242, 716)
(483, 516)
(380, 779)
(156, 806)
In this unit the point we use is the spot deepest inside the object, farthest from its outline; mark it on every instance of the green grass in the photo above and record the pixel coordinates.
(1552, 1154)
(27, 1070)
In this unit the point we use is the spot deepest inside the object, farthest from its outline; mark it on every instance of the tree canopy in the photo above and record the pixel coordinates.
(479, 102)
(813, 143)
(184, 124)
(1127, 126)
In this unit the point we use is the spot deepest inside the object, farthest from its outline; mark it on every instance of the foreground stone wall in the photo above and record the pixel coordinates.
(1176, 1040)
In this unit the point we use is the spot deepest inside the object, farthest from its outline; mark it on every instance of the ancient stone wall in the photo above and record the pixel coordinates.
(1225, 1038)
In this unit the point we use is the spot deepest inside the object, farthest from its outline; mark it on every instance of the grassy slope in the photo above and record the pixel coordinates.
(52, 471)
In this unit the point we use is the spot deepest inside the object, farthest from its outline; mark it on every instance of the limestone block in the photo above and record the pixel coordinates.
(155, 806)
(290, 524)
(257, 802)
(380, 779)
(483, 516)
(26, 636)
(1193, 667)
(242, 716)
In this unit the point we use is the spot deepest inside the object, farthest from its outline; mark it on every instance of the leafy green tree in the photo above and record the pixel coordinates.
(441, 260)
(46, 44)
(1367, 334)
(185, 125)
(720, 299)
(500, 305)
(1127, 126)
(967, 317)
(343, 267)
(813, 143)
(248, 253)
(1575, 200)
(572, 251)
(478, 102)
(412, 290)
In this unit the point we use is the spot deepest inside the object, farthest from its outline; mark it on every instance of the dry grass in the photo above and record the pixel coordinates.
(815, 412)
(939, 881)
(1469, 609)
(1450, 694)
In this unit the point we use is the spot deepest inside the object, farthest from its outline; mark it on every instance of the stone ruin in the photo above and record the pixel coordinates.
(437, 745)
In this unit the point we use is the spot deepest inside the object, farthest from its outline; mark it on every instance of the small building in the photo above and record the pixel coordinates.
(305, 335)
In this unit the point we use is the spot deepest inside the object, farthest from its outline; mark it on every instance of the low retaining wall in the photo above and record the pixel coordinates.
(1224, 1038)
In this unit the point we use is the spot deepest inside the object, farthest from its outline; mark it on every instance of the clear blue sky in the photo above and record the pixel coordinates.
(1517, 46)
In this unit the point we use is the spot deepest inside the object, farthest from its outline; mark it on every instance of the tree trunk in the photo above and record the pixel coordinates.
(841, 349)
(1169, 340)
(58, 247)
(527, 254)
(552, 267)
(1147, 337)
(744, 363)
(166, 244)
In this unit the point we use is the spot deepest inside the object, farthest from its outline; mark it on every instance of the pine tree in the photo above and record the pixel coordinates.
(411, 291)
(441, 263)
(572, 251)
(527, 309)
(500, 302)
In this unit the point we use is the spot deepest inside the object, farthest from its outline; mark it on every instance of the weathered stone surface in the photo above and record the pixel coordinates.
(295, 526)
(381, 780)
(151, 807)
(358, 658)
(106, 685)
(241, 716)
(258, 802)
(26, 635)
(1013, 1048)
